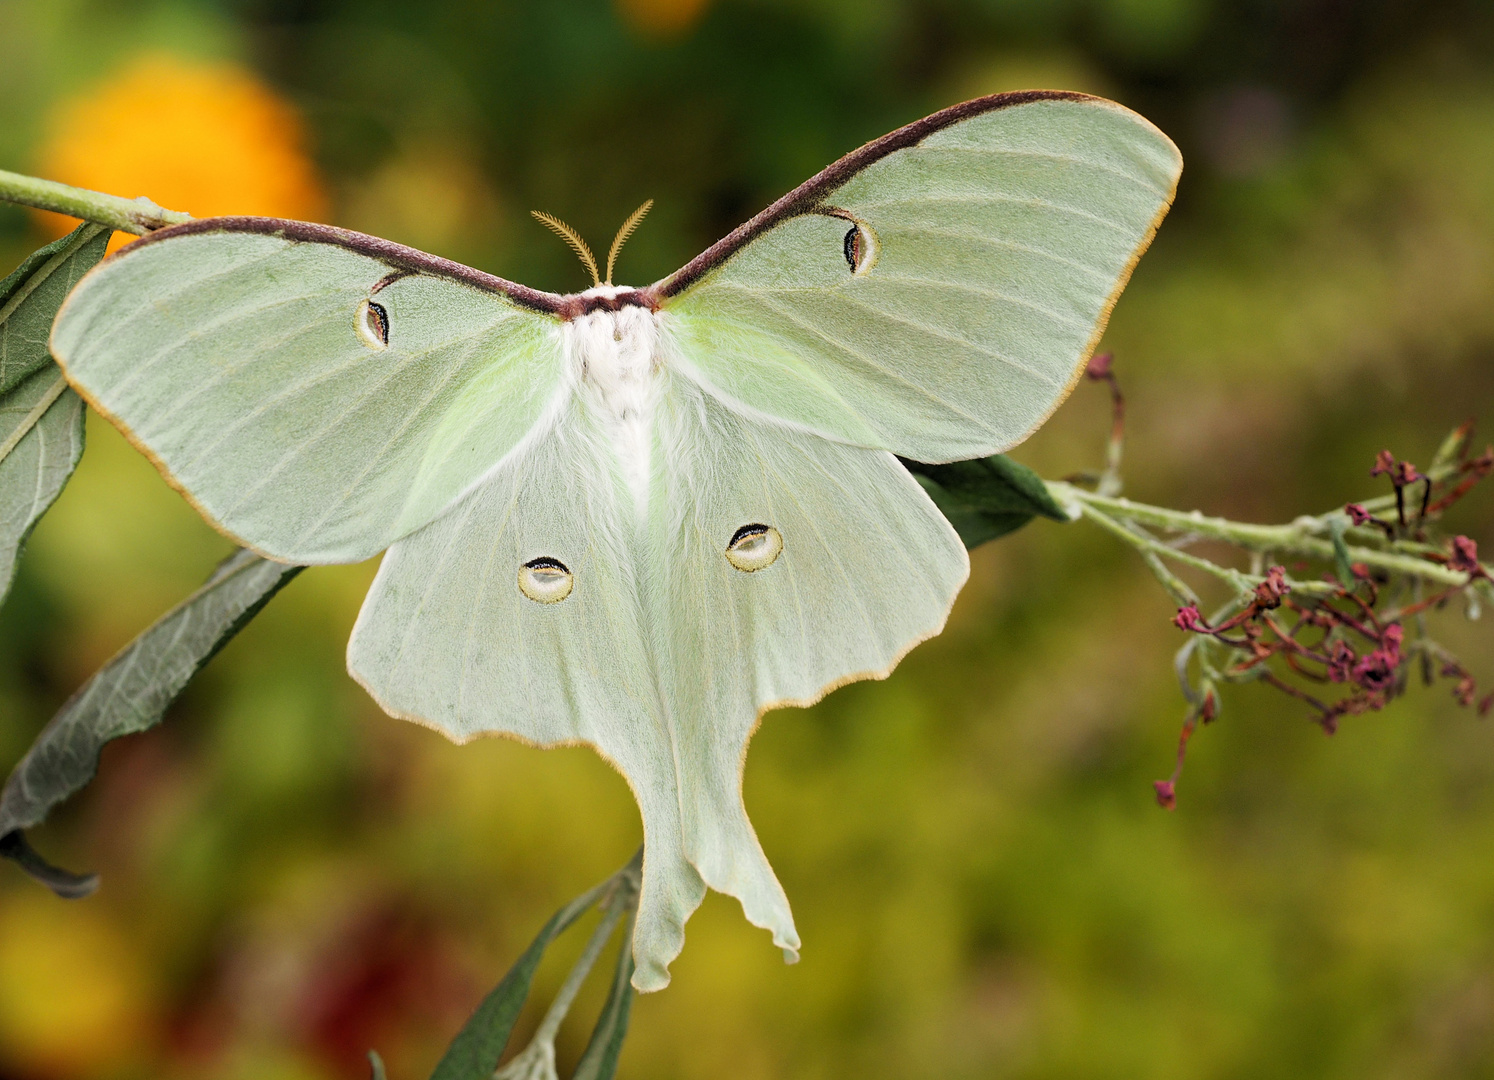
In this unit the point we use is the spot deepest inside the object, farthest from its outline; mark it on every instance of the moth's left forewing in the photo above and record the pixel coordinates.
(945, 284)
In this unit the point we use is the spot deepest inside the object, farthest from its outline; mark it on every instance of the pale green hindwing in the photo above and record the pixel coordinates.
(447, 637)
(664, 653)
(250, 368)
(868, 568)
(987, 256)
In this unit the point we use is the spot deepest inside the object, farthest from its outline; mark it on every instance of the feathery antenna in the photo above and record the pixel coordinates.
(570, 236)
(622, 235)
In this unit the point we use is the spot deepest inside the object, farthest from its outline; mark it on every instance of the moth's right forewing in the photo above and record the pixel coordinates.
(250, 368)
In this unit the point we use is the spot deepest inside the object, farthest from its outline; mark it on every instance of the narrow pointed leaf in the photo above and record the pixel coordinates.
(376, 1066)
(69, 886)
(41, 442)
(1343, 565)
(30, 297)
(477, 1047)
(132, 691)
(474, 1053)
(41, 420)
(987, 497)
(599, 1060)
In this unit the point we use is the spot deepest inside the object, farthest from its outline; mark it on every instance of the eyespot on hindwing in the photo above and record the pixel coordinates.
(754, 547)
(546, 580)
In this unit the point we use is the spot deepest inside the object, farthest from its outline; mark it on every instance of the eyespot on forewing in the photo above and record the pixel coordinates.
(372, 324)
(754, 547)
(546, 580)
(860, 248)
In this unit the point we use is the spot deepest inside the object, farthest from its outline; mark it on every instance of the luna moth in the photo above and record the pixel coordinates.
(639, 518)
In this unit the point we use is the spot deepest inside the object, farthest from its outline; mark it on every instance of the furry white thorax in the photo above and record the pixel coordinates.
(614, 360)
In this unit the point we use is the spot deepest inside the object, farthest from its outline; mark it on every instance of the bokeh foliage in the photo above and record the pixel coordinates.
(983, 882)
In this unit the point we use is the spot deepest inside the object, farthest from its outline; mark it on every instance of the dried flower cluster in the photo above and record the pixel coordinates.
(1343, 643)
(1351, 647)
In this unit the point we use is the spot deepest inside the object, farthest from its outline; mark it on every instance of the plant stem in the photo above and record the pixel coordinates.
(1293, 539)
(138, 216)
(550, 1026)
(1233, 578)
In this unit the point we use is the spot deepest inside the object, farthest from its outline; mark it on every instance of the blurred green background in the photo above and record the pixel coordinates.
(983, 882)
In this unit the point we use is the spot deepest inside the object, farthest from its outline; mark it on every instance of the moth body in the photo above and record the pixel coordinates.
(613, 358)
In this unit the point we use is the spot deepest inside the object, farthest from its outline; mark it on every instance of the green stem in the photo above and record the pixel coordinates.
(550, 1026)
(138, 216)
(618, 897)
(1233, 578)
(1294, 539)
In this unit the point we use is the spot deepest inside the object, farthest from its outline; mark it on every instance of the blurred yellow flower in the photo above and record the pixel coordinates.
(73, 997)
(663, 18)
(205, 138)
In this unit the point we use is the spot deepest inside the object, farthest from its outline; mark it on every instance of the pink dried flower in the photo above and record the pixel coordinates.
(1404, 474)
(1098, 368)
(1384, 463)
(1465, 691)
(1269, 593)
(1341, 660)
(1167, 796)
(1376, 672)
(1465, 556)
(1390, 641)
(1188, 618)
(1358, 514)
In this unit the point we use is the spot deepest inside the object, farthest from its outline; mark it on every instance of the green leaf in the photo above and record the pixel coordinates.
(376, 1066)
(599, 1060)
(41, 420)
(1343, 566)
(474, 1053)
(30, 297)
(41, 442)
(132, 691)
(69, 886)
(986, 497)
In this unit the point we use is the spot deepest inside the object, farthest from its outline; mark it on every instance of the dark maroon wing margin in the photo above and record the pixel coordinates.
(397, 257)
(803, 198)
(807, 195)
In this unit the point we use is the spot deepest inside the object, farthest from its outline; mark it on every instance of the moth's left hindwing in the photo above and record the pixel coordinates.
(312, 401)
